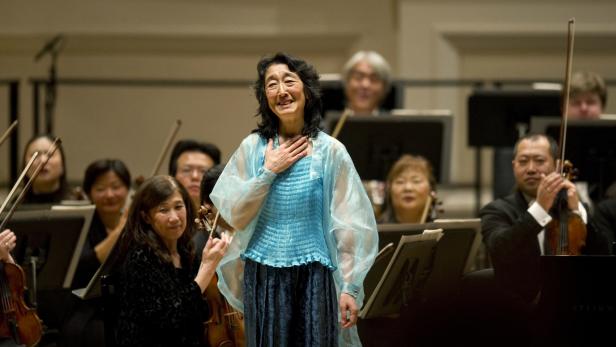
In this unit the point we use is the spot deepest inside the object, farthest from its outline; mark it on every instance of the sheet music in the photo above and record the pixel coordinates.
(420, 246)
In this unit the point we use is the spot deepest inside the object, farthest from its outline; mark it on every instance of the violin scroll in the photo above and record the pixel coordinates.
(204, 222)
(568, 171)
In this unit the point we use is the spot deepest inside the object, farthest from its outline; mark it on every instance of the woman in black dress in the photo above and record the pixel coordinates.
(159, 287)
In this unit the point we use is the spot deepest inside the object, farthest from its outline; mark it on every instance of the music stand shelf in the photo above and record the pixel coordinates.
(56, 238)
(590, 147)
(375, 143)
(497, 117)
(441, 260)
(409, 265)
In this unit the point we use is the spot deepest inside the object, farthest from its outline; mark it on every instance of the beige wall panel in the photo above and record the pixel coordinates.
(493, 40)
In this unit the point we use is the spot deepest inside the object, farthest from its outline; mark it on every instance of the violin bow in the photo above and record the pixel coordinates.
(340, 123)
(214, 224)
(566, 90)
(426, 209)
(21, 177)
(8, 132)
(174, 131)
(52, 149)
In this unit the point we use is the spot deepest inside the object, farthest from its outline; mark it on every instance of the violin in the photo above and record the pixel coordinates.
(225, 328)
(18, 322)
(566, 232)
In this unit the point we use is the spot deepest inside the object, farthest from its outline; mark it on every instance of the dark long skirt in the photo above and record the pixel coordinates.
(292, 306)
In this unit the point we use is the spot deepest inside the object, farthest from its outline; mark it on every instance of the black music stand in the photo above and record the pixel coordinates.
(375, 143)
(577, 305)
(498, 118)
(454, 255)
(409, 267)
(94, 288)
(590, 147)
(49, 244)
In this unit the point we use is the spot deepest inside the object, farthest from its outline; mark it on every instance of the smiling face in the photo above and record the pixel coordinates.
(285, 93)
(168, 219)
(410, 191)
(364, 89)
(108, 193)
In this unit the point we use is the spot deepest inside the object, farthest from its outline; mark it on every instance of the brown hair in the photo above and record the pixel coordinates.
(137, 232)
(588, 82)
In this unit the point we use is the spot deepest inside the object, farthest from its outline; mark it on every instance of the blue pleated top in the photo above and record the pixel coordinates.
(289, 231)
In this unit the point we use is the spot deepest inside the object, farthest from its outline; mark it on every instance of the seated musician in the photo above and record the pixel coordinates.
(588, 96)
(159, 286)
(106, 183)
(367, 79)
(410, 187)
(188, 162)
(513, 228)
(7, 244)
(50, 186)
(587, 101)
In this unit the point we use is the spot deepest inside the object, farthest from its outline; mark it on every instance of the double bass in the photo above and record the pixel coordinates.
(225, 328)
(566, 233)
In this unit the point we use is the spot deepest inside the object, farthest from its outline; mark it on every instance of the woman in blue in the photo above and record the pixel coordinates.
(306, 230)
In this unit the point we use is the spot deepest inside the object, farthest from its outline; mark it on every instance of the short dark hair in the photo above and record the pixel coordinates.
(313, 110)
(209, 181)
(537, 137)
(190, 145)
(102, 166)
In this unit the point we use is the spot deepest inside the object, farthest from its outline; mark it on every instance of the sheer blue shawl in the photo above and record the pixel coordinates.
(349, 223)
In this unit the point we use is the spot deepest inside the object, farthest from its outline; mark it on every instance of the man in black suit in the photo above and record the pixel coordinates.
(513, 227)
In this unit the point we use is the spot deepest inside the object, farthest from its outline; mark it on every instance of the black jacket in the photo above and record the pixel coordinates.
(510, 234)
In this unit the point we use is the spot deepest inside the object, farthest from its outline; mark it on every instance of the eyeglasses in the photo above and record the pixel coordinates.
(190, 170)
(360, 76)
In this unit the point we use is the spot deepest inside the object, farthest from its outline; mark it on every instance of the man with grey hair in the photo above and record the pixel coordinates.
(367, 79)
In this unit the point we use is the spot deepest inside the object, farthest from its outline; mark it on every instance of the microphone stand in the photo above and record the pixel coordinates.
(53, 48)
